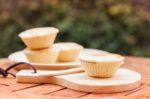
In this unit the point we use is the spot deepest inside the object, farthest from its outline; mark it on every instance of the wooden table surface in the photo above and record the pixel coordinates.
(9, 89)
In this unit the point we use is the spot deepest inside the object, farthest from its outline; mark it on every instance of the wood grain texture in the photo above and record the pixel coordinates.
(138, 64)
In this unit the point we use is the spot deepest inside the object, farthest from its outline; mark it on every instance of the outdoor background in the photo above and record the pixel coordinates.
(120, 26)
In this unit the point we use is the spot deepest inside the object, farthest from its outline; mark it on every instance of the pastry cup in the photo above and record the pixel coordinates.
(101, 68)
(39, 38)
(69, 51)
(44, 56)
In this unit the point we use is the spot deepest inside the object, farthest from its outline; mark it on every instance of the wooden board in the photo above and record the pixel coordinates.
(20, 57)
(10, 89)
(123, 80)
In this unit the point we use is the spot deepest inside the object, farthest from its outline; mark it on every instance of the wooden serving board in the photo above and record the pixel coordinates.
(123, 80)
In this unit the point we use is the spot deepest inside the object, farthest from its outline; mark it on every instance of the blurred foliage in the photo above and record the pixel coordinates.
(120, 26)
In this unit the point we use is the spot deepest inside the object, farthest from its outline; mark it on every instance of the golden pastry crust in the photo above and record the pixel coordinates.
(105, 57)
(103, 65)
(39, 38)
(44, 56)
(69, 51)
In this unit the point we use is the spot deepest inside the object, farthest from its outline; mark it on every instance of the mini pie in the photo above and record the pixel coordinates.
(39, 38)
(101, 65)
(46, 56)
(68, 51)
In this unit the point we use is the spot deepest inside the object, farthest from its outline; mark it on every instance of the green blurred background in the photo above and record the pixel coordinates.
(120, 26)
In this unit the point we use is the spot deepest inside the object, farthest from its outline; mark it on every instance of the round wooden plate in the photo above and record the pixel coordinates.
(20, 57)
(123, 80)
